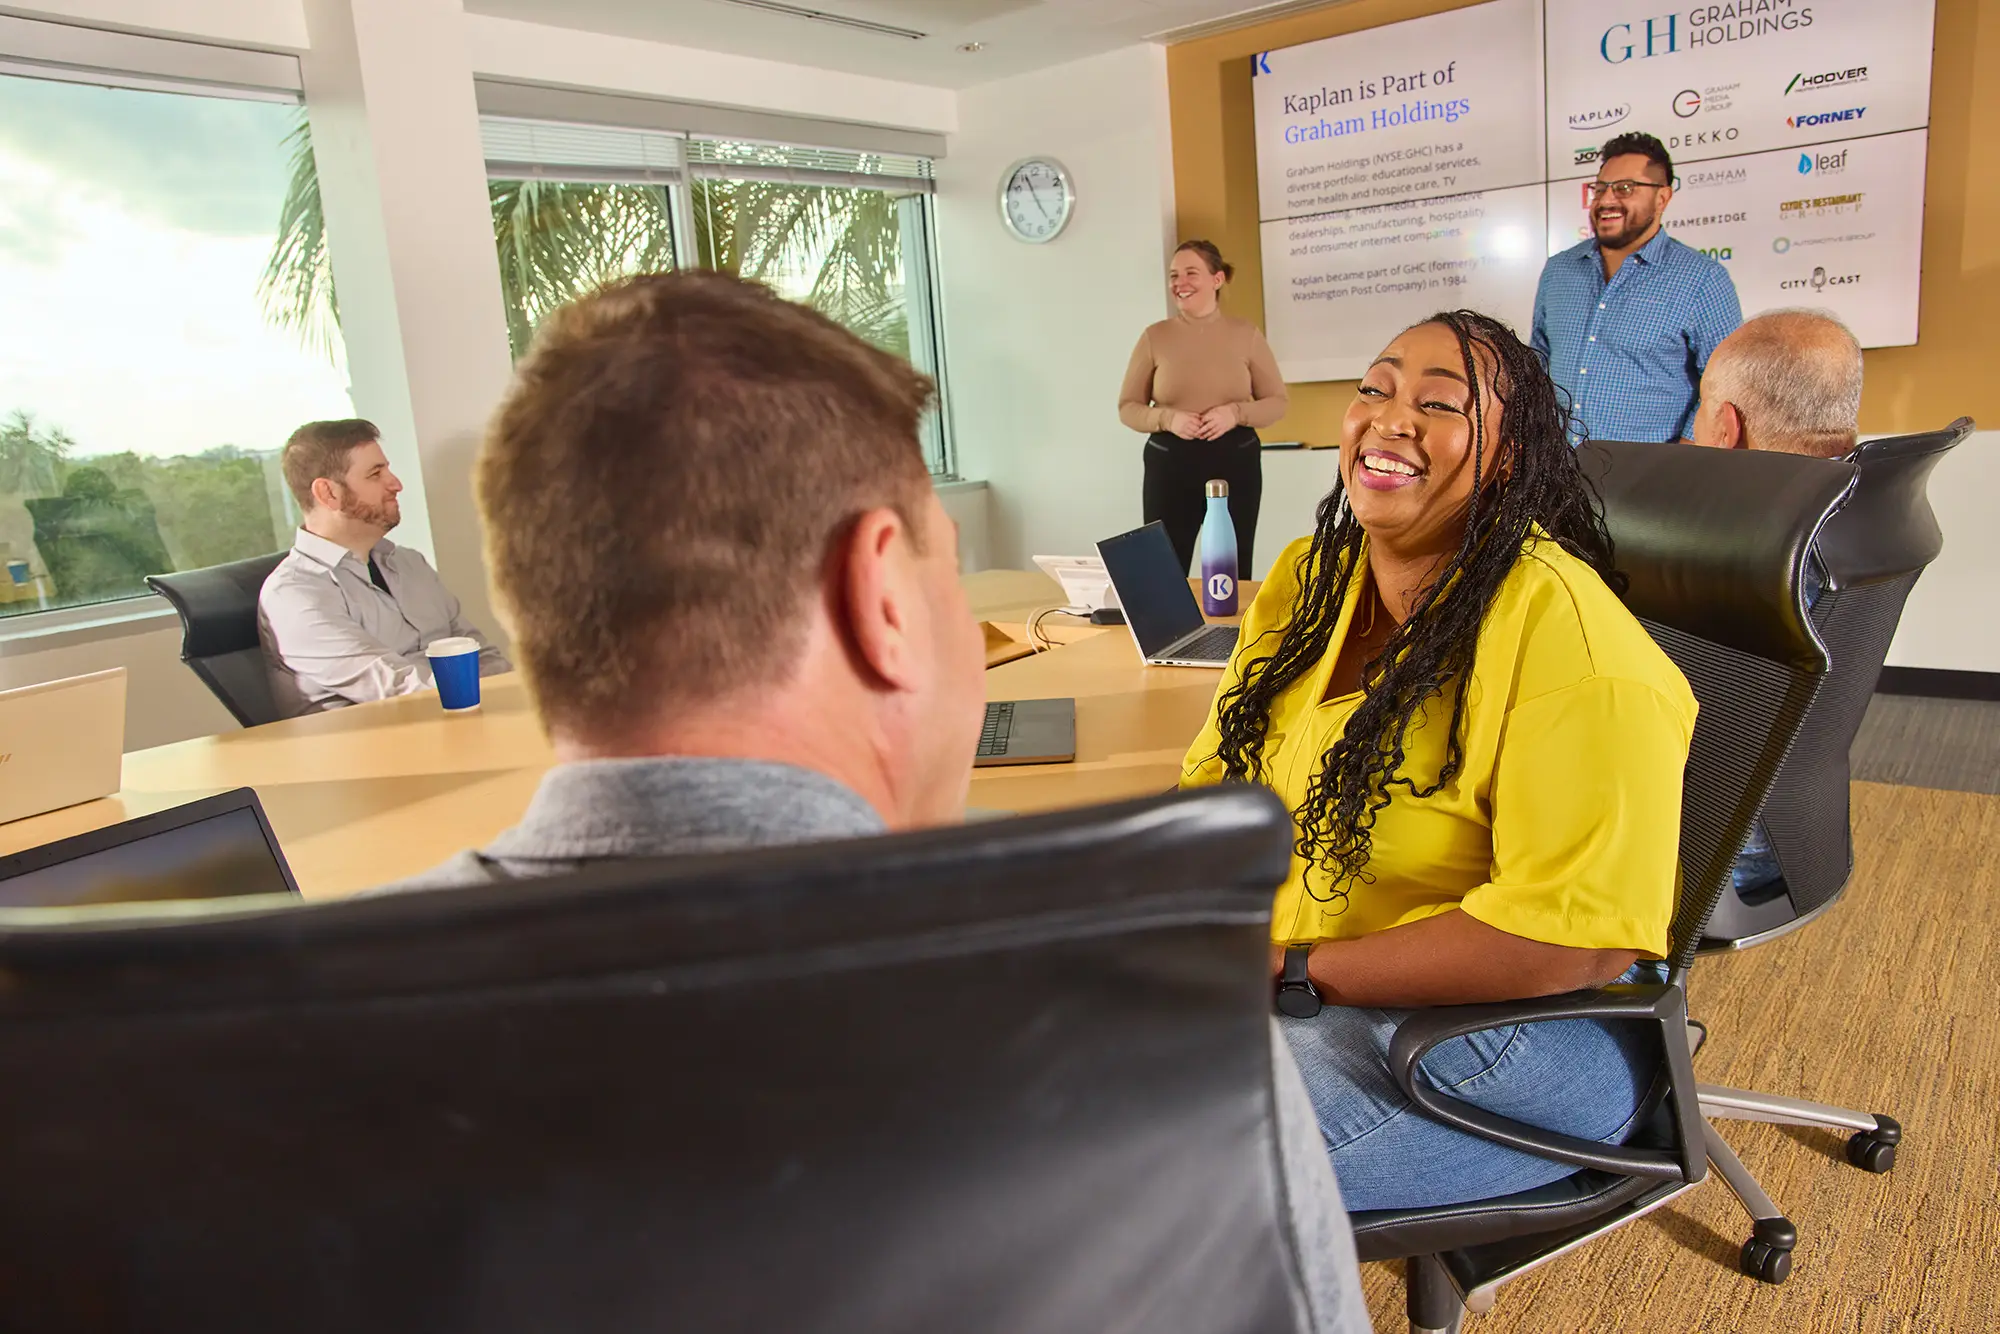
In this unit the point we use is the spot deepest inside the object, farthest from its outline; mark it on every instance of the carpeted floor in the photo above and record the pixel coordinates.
(1890, 1003)
(1948, 743)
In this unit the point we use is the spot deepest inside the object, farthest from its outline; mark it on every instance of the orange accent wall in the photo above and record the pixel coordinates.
(1953, 370)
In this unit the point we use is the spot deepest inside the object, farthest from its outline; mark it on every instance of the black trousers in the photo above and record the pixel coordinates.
(1177, 475)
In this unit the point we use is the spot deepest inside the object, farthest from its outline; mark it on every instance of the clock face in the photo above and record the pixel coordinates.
(1036, 199)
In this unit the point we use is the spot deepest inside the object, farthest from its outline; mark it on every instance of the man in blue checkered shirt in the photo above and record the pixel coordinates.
(1627, 319)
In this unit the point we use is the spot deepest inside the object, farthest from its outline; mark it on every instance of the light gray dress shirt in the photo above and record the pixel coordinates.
(658, 807)
(332, 638)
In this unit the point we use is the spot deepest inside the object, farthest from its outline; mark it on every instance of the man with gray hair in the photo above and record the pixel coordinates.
(1787, 380)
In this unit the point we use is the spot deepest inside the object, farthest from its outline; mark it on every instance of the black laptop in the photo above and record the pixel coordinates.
(218, 847)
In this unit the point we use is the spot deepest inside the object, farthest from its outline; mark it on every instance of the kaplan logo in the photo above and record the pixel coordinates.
(1840, 78)
(1824, 118)
(1599, 118)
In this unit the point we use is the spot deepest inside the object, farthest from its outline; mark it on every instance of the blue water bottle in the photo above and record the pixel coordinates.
(1218, 554)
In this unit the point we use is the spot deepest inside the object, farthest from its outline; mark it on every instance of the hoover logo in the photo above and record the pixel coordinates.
(1812, 83)
(1820, 280)
(1806, 122)
(1823, 164)
(1599, 118)
(1686, 103)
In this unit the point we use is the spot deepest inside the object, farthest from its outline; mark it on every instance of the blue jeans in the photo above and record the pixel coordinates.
(1583, 1077)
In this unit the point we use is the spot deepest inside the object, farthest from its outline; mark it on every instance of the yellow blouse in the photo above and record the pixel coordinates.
(1563, 822)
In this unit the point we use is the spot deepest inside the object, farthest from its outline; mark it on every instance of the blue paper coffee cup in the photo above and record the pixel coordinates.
(455, 668)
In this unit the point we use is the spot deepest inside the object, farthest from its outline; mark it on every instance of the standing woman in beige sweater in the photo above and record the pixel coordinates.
(1201, 384)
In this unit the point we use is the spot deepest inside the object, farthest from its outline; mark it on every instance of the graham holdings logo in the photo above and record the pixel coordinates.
(1601, 117)
(1686, 103)
(1806, 122)
(1707, 25)
(1820, 281)
(1839, 78)
(1624, 41)
(1826, 164)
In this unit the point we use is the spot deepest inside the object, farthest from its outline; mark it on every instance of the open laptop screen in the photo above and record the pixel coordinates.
(1152, 587)
(219, 847)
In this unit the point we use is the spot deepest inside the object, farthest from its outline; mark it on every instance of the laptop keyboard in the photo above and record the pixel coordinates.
(999, 726)
(1217, 642)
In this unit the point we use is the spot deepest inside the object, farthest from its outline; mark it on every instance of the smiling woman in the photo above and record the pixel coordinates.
(1482, 750)
(143, 395)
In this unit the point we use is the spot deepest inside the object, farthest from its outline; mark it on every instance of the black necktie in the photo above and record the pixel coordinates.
(375, 575)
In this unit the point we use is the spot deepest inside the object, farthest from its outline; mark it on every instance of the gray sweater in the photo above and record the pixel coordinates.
(601, 809)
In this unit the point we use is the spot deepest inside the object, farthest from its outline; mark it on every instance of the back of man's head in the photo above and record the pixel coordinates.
(664, 486)
(1787, 380)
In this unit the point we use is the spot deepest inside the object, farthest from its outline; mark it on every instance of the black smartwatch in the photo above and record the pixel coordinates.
(1297, 997)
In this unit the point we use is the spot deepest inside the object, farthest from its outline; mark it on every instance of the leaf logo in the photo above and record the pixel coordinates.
(1805, 164)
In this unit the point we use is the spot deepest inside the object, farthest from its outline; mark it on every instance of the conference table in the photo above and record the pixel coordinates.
(364, 795)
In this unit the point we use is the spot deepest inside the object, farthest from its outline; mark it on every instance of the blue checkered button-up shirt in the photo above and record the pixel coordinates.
(1630, 352)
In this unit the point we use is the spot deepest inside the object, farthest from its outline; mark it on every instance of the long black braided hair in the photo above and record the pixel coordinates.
(1539, 485)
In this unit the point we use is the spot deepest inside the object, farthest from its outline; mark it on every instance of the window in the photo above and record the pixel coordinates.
(848, 232)
(153, 353)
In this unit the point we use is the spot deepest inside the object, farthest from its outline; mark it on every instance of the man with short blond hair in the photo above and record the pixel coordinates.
(736, 600)
(1788, 380)
(345, 617)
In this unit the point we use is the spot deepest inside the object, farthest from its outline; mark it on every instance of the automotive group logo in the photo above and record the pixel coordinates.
(1819, 281)
(1823, 164)
(1686, 102)
(1810, 119)
(1812, 83)
(1599, 117)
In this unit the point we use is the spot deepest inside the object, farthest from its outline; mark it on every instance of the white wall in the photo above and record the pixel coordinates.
(1038, 336)
(1950, 622)
(164, 700)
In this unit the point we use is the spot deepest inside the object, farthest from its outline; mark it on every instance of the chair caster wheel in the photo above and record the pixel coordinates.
(1765, 1262)
(1871, 1151)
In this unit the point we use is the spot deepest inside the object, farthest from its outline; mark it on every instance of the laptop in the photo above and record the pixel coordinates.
(61, 742)
(1027, 731)
(218, 847)
(1159, 606)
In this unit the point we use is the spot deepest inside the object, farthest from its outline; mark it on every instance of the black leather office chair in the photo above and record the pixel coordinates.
(1872, 554)
(218, 611)
(1714, 544)
(1006, 1079)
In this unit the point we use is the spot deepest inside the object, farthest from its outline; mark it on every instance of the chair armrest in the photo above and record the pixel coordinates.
(1661, 1004)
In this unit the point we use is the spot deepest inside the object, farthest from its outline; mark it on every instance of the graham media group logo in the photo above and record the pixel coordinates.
(1836, 78)
(1686, 102)
(1810, 119)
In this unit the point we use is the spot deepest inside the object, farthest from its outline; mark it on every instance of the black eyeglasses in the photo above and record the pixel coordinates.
(1622, 189)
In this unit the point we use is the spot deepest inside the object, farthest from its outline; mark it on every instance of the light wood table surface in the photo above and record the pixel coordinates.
(373, 793)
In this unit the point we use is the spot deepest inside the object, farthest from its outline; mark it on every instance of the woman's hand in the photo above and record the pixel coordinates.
(1277, 960)
(1218, 422)
(1187, 425)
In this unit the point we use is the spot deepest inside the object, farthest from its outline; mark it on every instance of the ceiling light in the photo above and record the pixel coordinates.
(972, 48)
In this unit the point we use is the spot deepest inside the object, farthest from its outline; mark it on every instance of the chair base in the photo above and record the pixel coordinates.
(1767, 1255)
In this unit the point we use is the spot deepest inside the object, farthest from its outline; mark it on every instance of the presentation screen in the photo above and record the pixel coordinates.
(1439, 161)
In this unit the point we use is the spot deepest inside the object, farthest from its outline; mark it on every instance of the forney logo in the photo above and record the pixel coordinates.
(1686, 103)
(1598, 119)
(1221, 587)
(1824, 118)
(1806, 83)
(1826, 163)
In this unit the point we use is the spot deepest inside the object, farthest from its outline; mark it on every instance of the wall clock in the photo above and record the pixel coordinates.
(1036, 199)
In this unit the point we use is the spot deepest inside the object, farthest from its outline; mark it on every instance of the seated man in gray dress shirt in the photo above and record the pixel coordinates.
(736, 600)
(346, 615)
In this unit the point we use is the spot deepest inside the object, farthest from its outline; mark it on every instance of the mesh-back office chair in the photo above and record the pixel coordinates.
(1012, 1078)
(1715, 545)
(218, 611)
(1872, 554)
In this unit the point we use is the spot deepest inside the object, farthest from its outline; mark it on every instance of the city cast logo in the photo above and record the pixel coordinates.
(1812, 83)
(1811, 119)
(1686, 102)
(1599, 118)
(1702, 138)
(1820, 280)
(1823, 164)
(1819, 207)
(1701, 179)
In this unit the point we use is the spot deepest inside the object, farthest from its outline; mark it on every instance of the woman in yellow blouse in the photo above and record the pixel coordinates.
(1482, 749)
